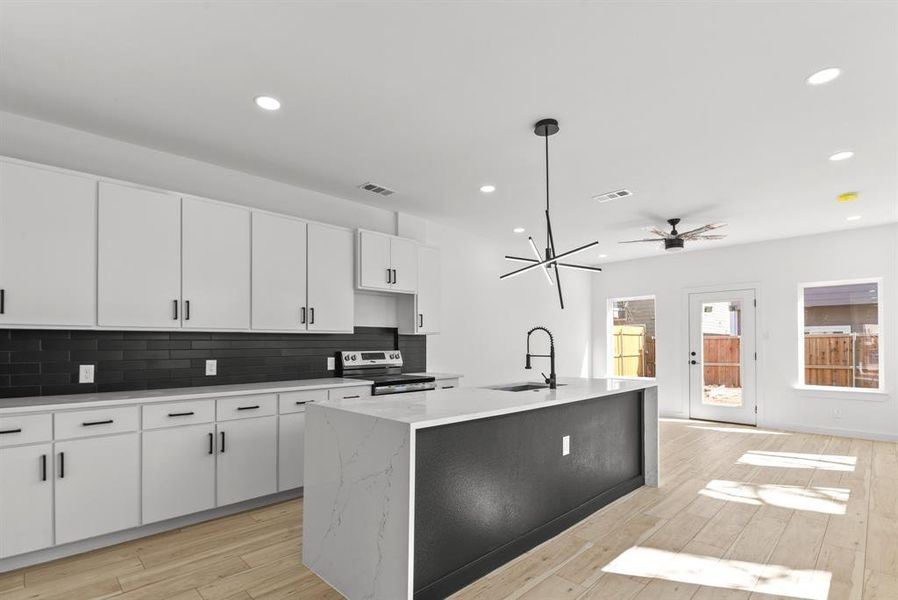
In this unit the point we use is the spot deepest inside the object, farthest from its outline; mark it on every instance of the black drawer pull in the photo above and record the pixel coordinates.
(303, 401)
(448, 387)
(43, 467)
(350, 397)
(92, 423)
(19, 430)
(248, 407)
(182, 414)
(62, 465)
(211, 443)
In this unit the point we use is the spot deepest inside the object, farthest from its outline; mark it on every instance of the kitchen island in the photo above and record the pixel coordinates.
(417, 495)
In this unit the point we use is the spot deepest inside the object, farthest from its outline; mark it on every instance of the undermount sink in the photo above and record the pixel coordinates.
(521, 387)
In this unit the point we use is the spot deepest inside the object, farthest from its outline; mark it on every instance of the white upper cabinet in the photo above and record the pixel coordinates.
(331, 296)
(215, 265)
(48, 224)
(429, 297)
(387, 263)
(139, 262)
(279, 273)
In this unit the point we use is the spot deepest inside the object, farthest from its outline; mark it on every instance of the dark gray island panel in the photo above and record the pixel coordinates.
(489, 489)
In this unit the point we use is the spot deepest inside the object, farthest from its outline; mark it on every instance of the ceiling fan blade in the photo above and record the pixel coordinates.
(701, 229)
(661, 232)
(637, 241)
(708, 237)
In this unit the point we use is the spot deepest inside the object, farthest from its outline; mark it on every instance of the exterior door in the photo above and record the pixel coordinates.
(722, 356)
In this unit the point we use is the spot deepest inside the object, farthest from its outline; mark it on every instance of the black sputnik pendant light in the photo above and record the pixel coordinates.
(550, 264)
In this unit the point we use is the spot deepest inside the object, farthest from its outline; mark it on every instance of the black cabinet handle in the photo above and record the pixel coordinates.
(302, 319)
(394, 275)
(312, 316)
(350, 397)
(222, 442)
(248, 407)
(2, 301)
(448, 387)
(62, 465)
(92, 423)
(303, 401)
(187, 310)
(175, 316)
(389, 279)
(420, 319)
(5, 431)
(211, 443)
(43, 467)
(181, 414)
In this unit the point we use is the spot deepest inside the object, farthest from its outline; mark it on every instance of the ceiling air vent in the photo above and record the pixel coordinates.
(612, 195)
(377, 189)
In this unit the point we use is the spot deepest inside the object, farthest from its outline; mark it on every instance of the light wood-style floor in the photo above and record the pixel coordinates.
(742, 514)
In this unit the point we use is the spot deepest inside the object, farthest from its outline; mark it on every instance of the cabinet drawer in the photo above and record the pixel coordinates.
(98, 421)
(173, 414)
(246, 407)
(357, 391)
(291, 402)
(25, 429)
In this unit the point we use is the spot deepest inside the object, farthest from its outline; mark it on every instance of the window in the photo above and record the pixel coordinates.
(840, 332)
(632, 340)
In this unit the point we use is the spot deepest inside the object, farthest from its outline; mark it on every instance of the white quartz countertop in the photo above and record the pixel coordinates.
(40, 403)
(441, 407)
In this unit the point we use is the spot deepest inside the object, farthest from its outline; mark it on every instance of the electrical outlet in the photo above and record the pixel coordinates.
(211, 367)
(837, 413)
(566, 445)
(85, 373)
(330, 363)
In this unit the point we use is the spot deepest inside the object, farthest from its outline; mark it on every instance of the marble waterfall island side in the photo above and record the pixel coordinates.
(413, 496)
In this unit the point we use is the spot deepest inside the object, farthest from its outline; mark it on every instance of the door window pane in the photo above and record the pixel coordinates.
(841, 335)
(722, 353)
(633, 337)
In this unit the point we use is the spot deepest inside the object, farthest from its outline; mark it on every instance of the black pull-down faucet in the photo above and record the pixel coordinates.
(551, 380)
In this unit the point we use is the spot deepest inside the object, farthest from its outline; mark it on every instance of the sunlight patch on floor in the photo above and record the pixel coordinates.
(826, 500)
(737, 430)
(722, 573)
(792, 460)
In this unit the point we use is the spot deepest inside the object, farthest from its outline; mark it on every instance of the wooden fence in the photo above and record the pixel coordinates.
(721, 360)
(844, 360)
(634, 353)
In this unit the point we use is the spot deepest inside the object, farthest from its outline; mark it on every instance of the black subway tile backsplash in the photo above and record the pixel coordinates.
(45, 362)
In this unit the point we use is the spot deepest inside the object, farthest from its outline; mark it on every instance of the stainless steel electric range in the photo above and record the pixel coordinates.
(384, 368)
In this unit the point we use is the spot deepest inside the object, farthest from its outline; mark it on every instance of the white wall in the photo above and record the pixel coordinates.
(484, 321)
(775, 268)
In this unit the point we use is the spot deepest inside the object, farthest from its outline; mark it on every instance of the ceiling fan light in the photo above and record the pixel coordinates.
(673, 244)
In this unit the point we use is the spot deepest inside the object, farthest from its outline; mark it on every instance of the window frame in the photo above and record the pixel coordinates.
(609, 338)
(880, 316)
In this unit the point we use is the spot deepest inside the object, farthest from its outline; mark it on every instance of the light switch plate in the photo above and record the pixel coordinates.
(566, 445)
(85, 373)
(330, 363)
(211, 367)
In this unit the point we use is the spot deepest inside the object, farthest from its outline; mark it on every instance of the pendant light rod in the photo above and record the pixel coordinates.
(560, 264)
(550, 261)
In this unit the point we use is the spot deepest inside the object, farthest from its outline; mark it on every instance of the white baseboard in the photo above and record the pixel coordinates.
(864, 435)
(40, 556)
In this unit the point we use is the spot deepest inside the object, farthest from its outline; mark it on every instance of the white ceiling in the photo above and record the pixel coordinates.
(701, 109)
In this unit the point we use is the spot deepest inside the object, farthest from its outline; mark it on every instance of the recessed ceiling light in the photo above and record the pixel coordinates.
(844, 155)
(853, 218)
(824, 76)
(603, 256)
(487, 189)
(267, 102)
(519, 230)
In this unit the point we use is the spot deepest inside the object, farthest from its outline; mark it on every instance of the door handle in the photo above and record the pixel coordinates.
(312, 316)
(394, 275)
(2, 301)
(420, 319)
(389, 278)
(62, 465)
(211, 443)
(5, 431)
(302, 319)
(222, 442)
(92, 423)
(175, 317)
(187, 310)
(255, 406)
(43, 467)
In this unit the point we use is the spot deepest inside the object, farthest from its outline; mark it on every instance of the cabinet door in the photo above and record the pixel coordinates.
(404, 262)
(215, 265)
(26, 499)
(178, 470)
(97, 486)
(139, 277)
(247, 459)
(428, 317)
(291, 450)
(374, 261)
(331, 294)
(279, 273)
(48, 257)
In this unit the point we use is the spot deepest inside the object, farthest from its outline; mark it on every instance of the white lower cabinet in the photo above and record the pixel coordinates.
(26, 499)
(247, 459)
(178, 471)
(97, 486)
(291, 450)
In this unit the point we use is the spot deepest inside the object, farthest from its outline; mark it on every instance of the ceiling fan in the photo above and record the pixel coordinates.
(675, 240)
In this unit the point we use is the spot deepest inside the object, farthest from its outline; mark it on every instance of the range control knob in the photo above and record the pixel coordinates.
(352, 357)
